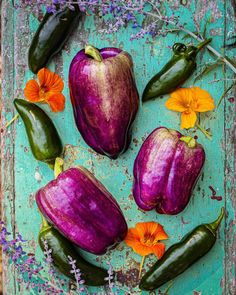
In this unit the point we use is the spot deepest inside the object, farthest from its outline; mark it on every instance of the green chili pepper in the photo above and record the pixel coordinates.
(51, 36)
(179, 68)
(43, 137)
(61, 249)
(182, 255)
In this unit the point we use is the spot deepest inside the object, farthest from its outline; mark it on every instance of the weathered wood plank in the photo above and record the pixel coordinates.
(229, 282)
(8, 136)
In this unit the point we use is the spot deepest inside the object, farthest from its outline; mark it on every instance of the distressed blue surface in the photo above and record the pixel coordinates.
(207, 276)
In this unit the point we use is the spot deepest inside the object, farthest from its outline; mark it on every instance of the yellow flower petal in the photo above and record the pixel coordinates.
(202, 100)
(188, 119)
(159, 250)
(180, 100)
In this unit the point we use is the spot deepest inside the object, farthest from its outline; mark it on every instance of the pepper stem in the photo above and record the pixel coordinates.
(44, 224)
(141, 266)
(215, 224)
(191, 142)
(93, 52)
(203, 44)
(58, 166)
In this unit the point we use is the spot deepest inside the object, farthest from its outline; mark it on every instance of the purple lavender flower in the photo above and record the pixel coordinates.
(77, 274)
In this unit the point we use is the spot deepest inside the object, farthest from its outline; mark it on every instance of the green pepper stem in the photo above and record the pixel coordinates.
(44, 224)
(58, 167)
(191, 142)
(215, 224)
(203, 44)
(93, 52)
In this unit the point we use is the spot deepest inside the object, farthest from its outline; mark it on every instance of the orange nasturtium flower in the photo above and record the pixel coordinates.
(144, 240)
(48, 90)
(189, 102)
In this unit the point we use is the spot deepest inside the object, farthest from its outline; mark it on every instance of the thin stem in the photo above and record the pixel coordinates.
(207, 134)
(11, 121)
(224, 94)
(168, 288)
(141, 267)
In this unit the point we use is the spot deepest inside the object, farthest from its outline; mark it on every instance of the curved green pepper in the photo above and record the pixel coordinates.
(182, 255)
(61, 249)
(43, 137)
(51, 36)
(179, 68)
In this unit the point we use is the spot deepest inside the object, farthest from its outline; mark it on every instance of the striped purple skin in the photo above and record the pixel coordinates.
(81, 208)
(104, 99)
(166, 171)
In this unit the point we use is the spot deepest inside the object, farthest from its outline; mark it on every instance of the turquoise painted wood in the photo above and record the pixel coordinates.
(22, 175)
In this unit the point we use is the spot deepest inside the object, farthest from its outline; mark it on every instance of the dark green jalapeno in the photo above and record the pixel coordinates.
(182, 255)
(178, 69)
(61, 248)
(50, 37)
(43, 137)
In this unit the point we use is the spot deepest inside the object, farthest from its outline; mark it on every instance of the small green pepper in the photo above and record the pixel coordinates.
(61, 249)
(50, 37)
(178, 69)
(43, 137)
(182, 255)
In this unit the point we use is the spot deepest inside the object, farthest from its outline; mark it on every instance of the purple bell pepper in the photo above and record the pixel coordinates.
(166, 170)
(104, 98)
(81, 208)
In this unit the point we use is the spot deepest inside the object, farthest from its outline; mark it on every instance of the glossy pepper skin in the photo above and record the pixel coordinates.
(81, 208)
(104, 98)
(166, 170)
(50, 37)
(178, 69)
(182, 255)
(61, 249)
(43, 137)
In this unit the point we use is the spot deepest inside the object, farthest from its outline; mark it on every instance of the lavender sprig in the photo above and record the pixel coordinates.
(110, 280)
(123, 12)
(77, 274)
(25, 264)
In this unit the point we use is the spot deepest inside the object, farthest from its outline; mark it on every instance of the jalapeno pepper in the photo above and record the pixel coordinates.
(182, 255)
(178, 69)
(43, 137)
(61, 249)
(51, 36)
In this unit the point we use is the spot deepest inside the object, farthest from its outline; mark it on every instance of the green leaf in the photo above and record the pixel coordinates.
(225, 93)
(205, 28)
(207, 69)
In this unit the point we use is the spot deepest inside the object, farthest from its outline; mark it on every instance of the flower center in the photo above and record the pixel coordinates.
(148, 240)
(42, 92)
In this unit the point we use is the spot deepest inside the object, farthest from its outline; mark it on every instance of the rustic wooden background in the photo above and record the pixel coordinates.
(22, 175)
